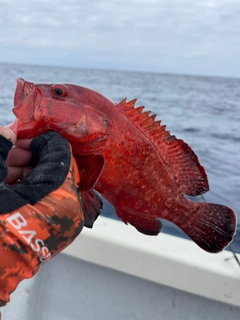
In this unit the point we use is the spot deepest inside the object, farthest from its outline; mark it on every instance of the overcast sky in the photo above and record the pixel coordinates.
(173, 36)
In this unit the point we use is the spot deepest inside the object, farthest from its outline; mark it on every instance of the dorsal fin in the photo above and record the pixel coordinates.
(176, 156)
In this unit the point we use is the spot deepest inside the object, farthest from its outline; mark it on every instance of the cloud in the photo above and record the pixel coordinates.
(139, 32)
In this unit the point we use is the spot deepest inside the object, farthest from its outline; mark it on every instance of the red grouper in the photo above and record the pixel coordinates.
(129, 158)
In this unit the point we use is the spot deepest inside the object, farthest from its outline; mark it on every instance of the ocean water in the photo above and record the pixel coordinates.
(203, 111)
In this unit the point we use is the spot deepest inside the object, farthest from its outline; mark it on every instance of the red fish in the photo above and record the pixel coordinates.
(129, 158)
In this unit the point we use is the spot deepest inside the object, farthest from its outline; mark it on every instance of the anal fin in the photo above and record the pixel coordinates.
(147, 225)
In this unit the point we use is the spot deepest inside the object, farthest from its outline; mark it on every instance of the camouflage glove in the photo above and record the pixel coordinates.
(40, 216)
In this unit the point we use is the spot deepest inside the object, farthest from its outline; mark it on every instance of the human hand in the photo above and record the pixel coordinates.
(18, 161)
(18, 157)
(42, 215)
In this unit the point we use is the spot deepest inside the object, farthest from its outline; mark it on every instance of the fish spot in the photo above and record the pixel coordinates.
(168, 202)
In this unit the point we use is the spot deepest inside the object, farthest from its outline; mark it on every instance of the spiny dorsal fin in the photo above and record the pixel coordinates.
(180, 161)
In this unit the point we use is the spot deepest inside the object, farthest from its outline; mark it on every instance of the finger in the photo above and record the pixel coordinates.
(9, 134)
(14, 174)
(18, 157)
(13, 126)
(24, 143)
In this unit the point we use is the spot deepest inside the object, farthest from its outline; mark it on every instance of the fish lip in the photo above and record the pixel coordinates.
(26, 100)
(18, 96)
(23, 89)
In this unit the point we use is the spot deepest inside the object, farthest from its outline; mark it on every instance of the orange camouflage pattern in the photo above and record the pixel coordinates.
(33, 234)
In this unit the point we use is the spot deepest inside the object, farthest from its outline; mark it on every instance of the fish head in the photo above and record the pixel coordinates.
(65, 108)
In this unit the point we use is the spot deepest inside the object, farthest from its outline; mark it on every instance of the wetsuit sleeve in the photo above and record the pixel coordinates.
(46, 216)
(5, 146)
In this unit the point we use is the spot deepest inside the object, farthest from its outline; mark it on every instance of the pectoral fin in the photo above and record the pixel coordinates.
(90, 168)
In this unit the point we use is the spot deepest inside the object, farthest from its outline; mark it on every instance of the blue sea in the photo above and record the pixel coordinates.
(203, 111)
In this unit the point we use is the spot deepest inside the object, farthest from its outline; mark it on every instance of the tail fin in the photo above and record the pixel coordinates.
(211, 226)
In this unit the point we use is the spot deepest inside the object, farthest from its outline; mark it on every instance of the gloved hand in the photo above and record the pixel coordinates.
(40, 214)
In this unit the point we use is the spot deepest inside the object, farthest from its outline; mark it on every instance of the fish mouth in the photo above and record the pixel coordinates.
(18, 93)
(25, 98)
(23, 88)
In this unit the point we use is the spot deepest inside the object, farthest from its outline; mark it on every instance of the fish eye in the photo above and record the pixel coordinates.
(59, 90)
